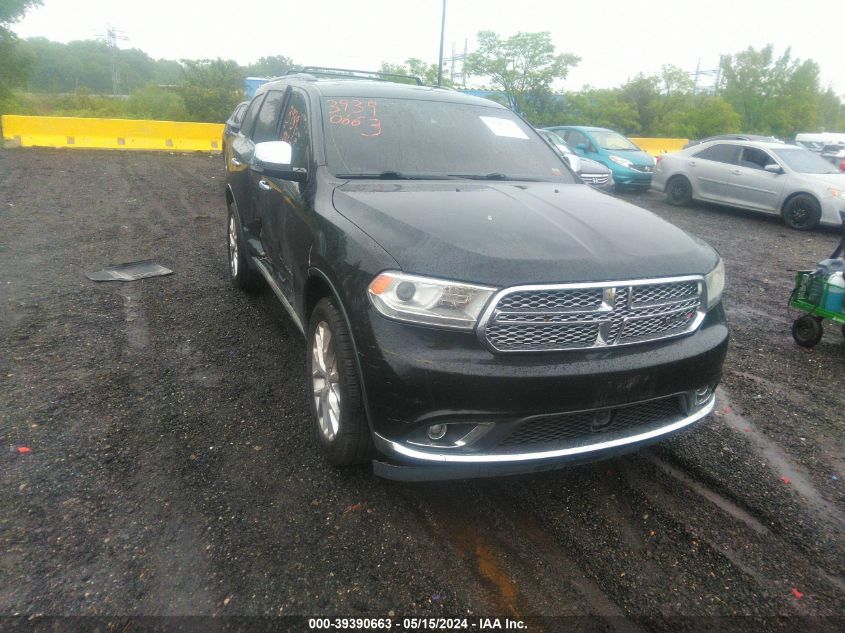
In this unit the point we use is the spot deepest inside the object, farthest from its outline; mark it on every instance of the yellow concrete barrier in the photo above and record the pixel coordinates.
(657, 146)
(84, 133)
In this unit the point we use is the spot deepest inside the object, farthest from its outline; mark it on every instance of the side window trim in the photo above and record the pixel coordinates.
(280, 99)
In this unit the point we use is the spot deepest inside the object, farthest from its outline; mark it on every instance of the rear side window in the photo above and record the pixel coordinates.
(721, 153)
(268, 118)
(251, 112)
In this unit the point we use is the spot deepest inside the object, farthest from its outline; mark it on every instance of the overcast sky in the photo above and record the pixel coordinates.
(615, 39)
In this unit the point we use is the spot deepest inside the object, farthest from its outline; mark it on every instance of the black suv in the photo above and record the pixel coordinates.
(469, 307)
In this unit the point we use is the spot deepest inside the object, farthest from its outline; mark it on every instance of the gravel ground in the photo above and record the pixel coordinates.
(172, 471)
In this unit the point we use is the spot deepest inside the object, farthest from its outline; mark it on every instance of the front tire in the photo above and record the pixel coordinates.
(679, 191)
(337, 409)
(802, 212)
(240, 273)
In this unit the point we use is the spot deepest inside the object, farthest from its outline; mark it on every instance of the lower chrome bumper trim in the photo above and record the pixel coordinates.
(395, 448)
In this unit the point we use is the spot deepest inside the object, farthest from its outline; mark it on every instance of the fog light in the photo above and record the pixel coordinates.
(703, 395)
(436, 431)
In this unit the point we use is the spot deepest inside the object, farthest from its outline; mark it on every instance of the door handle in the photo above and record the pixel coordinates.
(264, 185)
(235, 162)
(736, 172)
(691, 163)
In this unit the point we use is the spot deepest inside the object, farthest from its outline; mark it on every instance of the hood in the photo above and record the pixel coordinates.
(589, 166)
(638, 157)
(830, 180)
(504, 234)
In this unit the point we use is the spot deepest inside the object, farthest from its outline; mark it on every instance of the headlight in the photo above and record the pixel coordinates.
(621, 161)
(428, 301)
(837, 193)
(714, 281)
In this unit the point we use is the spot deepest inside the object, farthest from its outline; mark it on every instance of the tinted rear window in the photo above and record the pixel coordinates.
(721, 153)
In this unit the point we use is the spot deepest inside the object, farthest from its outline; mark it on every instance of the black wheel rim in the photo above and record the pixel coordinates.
(678, 191)
(800, 215)
(805, 331)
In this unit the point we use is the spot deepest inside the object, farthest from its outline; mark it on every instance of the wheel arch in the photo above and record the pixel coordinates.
(317, 286)
(678, 174)
(795, 194)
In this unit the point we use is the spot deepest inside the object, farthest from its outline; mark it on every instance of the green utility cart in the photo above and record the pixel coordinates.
(815, 296)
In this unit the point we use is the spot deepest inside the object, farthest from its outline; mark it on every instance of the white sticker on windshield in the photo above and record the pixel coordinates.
(503, 127)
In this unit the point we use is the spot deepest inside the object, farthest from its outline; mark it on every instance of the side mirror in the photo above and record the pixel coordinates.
(773, 168)
(582, 147)
(274, 158)
(234, 127)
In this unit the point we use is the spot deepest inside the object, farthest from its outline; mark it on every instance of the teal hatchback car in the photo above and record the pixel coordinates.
(632, 168)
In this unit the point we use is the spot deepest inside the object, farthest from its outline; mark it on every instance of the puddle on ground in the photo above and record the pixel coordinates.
(779, 461)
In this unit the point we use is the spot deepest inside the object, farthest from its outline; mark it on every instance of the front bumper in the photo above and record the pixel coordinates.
(831, 207)
(415, 377)
(631, 177)
(430, 466)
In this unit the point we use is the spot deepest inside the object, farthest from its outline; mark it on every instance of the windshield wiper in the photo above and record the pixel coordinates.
(492, 176)
(396, 175)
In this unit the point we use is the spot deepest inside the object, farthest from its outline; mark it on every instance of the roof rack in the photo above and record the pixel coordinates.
(347, 73)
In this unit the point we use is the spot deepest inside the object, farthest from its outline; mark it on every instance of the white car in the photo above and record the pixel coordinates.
(790, 181)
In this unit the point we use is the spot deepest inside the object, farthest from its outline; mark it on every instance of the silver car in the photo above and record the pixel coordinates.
(790, 181)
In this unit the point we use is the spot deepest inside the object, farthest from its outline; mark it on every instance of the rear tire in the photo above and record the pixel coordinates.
(337, 404)
(802, 212)
(807, 331)
(242, 276)
(679, 191)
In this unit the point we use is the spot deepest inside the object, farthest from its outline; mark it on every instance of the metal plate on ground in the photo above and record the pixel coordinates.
(130, 271)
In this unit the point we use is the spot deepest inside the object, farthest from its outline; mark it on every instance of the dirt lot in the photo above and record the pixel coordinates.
(172, 470)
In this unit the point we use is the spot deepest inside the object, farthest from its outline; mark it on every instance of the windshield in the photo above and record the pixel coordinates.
(405, 138)
(612, 140)
(805, 162)
(556, 140)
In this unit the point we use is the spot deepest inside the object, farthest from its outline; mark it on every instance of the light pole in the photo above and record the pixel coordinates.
(442, 32)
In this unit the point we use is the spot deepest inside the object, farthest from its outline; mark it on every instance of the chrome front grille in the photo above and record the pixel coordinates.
(595, 179)
(553, 299)
(582, 316)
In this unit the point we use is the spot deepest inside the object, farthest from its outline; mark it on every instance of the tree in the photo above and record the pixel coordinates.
(14, 63)
(211, 88)
(273, 66)
(704, 115)
(152, 102)
(602, 108)
(519, 65)
(773, 95)
(417, 68)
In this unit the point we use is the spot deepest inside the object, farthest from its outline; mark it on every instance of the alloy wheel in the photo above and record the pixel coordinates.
(233, 245)
(325, 381)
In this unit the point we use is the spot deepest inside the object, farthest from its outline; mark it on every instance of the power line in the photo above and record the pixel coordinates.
(112, 36)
